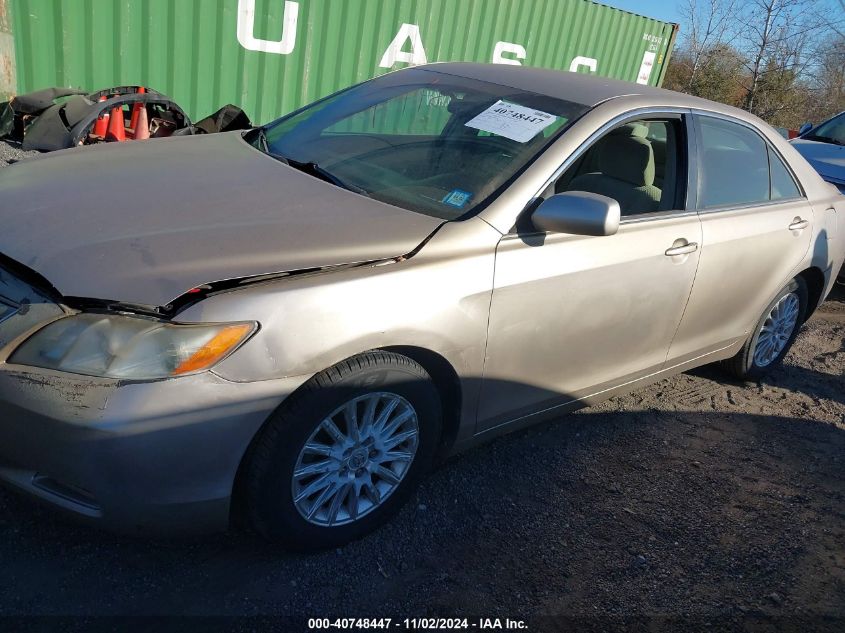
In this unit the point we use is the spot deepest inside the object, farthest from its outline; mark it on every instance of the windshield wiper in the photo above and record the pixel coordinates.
(315, 170)
(309, 167)
(261, 136)
(824, 139)
(262, 140)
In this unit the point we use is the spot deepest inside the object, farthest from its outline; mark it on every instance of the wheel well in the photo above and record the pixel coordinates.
(445, 380)
(814, 278)
(448, 385)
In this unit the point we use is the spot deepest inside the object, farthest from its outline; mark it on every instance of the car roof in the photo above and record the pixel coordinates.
(589, 90)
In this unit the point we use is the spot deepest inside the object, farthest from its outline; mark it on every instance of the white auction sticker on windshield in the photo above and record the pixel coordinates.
(512, 121)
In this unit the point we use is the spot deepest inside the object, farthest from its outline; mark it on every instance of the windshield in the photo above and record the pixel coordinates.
(832, 131)
(425, 141)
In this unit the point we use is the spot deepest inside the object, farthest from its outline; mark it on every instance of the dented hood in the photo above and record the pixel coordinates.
(143, 222)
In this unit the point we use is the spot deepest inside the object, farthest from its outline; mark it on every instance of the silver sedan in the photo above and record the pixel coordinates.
(291, 325)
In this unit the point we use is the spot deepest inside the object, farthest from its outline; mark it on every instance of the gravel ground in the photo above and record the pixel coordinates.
(693, 504)
(11, 152)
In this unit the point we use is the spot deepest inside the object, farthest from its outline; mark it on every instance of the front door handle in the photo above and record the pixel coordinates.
(686, 249)
(798, 224)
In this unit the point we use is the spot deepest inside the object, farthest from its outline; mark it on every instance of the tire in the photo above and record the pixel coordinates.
(747, 365)
(361, 388)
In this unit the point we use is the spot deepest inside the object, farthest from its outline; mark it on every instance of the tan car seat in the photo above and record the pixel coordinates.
(625, 162)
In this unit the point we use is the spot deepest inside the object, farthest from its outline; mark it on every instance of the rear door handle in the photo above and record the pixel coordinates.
(686, 249)
(798, 224)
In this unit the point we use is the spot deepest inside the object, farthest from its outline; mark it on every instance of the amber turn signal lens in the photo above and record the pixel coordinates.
(222, 343)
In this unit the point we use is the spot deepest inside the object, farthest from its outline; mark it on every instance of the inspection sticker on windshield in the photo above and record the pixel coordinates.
(512, 121)
(457, 198)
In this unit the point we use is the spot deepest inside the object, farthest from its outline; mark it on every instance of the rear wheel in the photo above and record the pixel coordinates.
(344, 453)
(774, 333)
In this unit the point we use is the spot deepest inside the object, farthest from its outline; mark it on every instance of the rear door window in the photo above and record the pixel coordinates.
(734, 165)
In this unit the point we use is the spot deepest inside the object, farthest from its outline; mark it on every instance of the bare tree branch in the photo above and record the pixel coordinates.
(780, 59)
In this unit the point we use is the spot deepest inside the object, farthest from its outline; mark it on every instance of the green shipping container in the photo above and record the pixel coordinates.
(272, 56)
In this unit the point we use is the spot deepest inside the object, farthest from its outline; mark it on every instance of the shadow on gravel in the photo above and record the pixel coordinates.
(837, 293)
(794, 378)
(610, 514)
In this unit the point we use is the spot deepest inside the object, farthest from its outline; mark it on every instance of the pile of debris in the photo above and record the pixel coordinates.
(60, 118)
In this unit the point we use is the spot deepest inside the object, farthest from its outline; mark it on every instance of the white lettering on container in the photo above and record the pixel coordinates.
(508, 47)
(394, 52)
(246, 29)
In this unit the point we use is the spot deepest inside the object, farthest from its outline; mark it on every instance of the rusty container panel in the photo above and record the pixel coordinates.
(272, 56)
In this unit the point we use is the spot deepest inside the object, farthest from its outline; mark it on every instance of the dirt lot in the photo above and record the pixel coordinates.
(693, 504)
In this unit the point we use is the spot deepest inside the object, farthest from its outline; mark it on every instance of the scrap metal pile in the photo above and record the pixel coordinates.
(60, 118)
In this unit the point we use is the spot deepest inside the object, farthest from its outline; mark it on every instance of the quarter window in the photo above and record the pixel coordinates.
(783, 185)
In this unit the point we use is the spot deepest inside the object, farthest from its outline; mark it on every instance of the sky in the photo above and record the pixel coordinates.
(663, 10)
(669, 10)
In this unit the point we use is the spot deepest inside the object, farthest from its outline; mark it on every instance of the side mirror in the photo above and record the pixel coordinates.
(579, 213)
(806, 127)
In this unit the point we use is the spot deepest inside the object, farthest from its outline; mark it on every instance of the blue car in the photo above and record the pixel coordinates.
(824, 148)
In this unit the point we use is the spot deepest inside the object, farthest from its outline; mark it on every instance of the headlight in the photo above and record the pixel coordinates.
(115, 346)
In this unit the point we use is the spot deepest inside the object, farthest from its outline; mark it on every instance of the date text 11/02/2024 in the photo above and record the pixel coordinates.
(435, 624)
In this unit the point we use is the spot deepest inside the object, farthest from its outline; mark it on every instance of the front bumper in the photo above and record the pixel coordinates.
(141, 457)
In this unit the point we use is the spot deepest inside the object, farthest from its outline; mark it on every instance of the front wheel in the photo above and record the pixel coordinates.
(345, 453)
(774, 333)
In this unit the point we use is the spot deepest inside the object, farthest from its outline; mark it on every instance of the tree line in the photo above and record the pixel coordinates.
(783, 60)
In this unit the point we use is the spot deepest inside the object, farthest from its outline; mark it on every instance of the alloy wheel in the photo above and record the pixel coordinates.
(777, 329)
(355, 459)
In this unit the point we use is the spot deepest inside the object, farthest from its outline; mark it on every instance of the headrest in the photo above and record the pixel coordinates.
(628, 158)
(631, 129)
